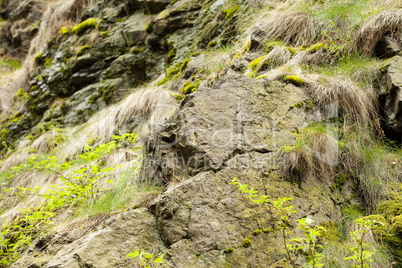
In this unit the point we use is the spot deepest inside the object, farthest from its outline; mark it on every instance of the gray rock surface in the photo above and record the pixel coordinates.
(236, 115)
(391, 100)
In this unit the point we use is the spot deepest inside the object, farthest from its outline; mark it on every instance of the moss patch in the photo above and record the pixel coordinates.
(212, 44)
(293, 79)
(183, 65)
(138, 50)
(228, 250)
(38, 57)
(64, 31)
(257, 63)
(148, 28)
(230, 12)
(316, 47)
(257, 232)
(82, 50)
(172, 54)
(188, 89)
(246, 243)
(48, 62)
(83, 26)
(269, 45)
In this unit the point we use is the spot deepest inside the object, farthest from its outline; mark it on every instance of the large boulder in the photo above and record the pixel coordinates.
(237, 115)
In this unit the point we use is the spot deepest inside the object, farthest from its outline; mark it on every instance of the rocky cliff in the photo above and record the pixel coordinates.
(125, 123)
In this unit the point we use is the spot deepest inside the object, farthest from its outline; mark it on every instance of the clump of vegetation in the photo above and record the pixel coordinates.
(104, 33)
(228, 250)
(148, 28)
(246, 243)
(38, 57)
(83, 26)
(138, 50)
(82, 50)
(244, 50)
(64, 31)
(316, 47)
(172, 53)
(80, 185)
(293, 79)
(230, 12)
(189, 88)
(146, 259)
(48, 62)
(183, 65)
(212, 43)
(270, 45)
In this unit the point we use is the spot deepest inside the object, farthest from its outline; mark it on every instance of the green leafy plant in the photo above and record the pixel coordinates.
(360, 253)
(307, 243)
(81, 185)
(147, 260)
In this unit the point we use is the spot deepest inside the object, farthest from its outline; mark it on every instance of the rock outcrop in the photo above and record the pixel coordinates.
(391, 99)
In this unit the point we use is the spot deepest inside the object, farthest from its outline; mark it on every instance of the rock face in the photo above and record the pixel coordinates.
(391, 100)
(22, 25)
(234, 128)
(237, 115)
(108, 246)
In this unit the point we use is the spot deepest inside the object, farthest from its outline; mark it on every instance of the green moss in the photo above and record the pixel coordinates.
(82, 49)
(212, 44)
(138, 50)
(293, 79)
(246, 243)
(195, 54)
(183, 65)
(316, 47)
(262, 76)
(257, 63)
(20, 92)
(148, 27)
(121, 20)
(172, 54)
(83, 26)
(269, 45)
(163, 81)
(48, 62)
(172, 72)
(230, 12)
(172, 3)
(104, 33)
(292, 50)
(178, 97)
(257, 232)
(38, 57)
(228, 250)
(268, 230)
(244, 50)
(64, 31)
(188, 89)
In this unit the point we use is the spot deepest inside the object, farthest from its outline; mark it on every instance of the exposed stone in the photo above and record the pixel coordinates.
(236, 115)
(109, 245)
(391, 100)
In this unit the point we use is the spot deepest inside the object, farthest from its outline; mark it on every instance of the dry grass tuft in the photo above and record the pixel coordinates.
(151, 104)
(294, 27)
(388, 22)
(315, 155)
(340, 97)
(306, 58)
